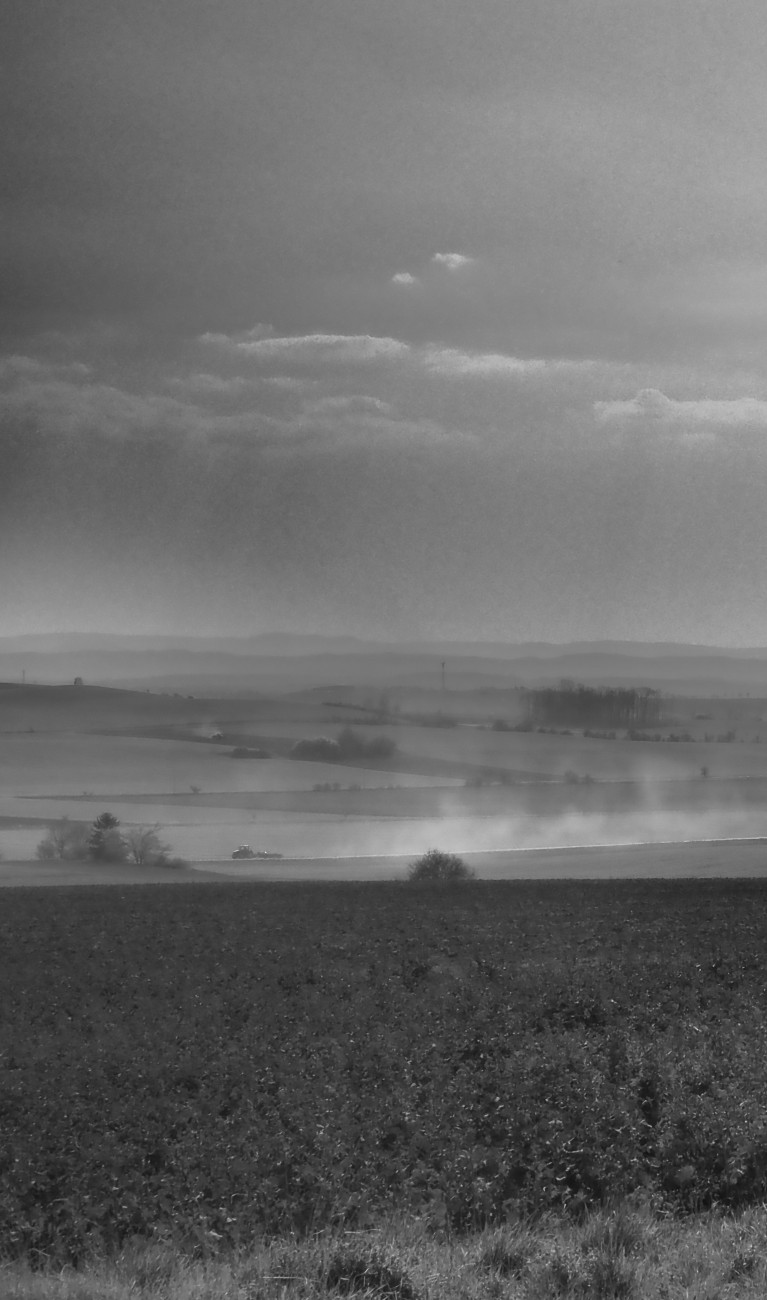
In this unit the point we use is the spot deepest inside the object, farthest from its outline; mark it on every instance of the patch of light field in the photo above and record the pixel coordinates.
(616, 760)
(71, 764)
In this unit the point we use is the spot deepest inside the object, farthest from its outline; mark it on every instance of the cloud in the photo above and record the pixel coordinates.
(353, 428)
(71, 404)
(207, 385)
(653, 405)
(253, 335)
(455, 362)
(307, 349)
(354, 349)
(453, 261)
(63, 406)
(18, 366)
(288, 382)
(202, 384)
(354, 402)
(65, 402)
(404, 277)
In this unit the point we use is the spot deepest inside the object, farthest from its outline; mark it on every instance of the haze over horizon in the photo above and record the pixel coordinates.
(400, 321)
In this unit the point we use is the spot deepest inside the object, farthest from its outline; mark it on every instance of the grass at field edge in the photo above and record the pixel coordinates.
(625, 1254)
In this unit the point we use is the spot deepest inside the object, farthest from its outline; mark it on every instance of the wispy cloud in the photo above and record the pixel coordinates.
(253, 335)
(352, 428)
(287, 382)
(404, 277)
(78, 406)
(203, 384)
(308, 349)
(453, 261)
(330, 350)
(62, 407)
(353, 402)
(17, 366)
(650, 404)
(75, 404)
(456, 363)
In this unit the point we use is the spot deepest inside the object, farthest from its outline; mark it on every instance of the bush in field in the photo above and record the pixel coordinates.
(64, 840)
(436, 867)
(380, 747)
(145, 847)
(105, 843)
(349, 746)
(353, 745)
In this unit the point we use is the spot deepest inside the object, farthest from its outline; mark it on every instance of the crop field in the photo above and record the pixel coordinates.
(553, 755)
(109, 765)
(204, 1063)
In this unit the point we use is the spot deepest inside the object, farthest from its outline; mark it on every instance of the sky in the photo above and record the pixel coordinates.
(402, 320)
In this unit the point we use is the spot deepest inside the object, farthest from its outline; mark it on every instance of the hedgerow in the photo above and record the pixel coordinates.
(202, 1064)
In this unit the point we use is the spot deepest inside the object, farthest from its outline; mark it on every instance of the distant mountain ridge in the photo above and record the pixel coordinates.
(284, 662)
(299, 643)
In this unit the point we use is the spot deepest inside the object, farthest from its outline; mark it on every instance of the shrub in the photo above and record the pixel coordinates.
(380, 747)
(347, 747)
(63, 839)
(436, 867)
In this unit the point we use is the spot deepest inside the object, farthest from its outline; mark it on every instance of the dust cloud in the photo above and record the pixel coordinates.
(347, 838)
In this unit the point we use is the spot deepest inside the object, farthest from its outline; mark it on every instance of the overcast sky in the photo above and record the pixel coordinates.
(402, 319)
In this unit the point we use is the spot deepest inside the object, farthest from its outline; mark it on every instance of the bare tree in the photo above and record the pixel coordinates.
(64, 840)
(145, 846)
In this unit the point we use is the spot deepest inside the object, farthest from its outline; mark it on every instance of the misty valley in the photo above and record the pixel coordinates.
(345, 760)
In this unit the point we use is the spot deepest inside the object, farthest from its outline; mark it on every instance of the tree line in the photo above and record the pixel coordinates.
(572, 705)
(103, 840)
(348, 747)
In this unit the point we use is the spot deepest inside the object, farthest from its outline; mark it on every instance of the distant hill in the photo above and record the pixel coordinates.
(284, 662)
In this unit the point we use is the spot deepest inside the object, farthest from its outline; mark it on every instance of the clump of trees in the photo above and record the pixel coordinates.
(348, 747)
(104, 841)
(65, 840)
(439, 868)
(570, 704)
